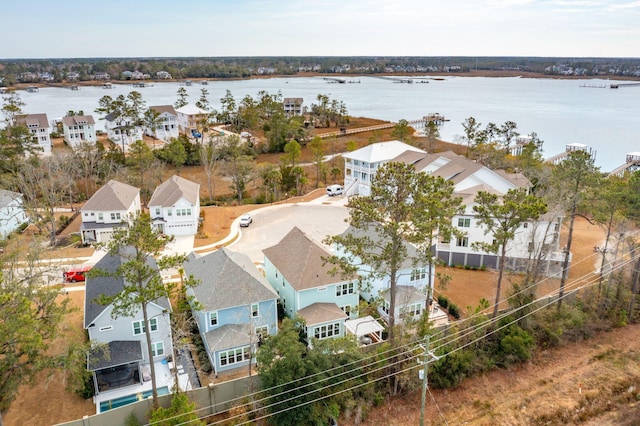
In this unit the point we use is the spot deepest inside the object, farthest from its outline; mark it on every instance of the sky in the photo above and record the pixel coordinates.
(161, 28)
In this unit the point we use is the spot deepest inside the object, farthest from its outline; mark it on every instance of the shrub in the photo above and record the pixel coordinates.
(454, 311)
(443, 301)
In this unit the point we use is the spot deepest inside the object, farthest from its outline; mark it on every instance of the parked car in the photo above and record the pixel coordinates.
(334, 190)
(75, 274)
(245, 220)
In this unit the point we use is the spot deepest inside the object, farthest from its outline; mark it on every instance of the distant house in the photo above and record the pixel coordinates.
(38, 125)
(163, 75)
(175, 207)
(119, 362)
(190, 117)
(238, 308)
(292, 106)
(167, 126)
(12, 213)
(121, 131)
(78, 129)
(108, 209)
(101, 76)
(297, 272)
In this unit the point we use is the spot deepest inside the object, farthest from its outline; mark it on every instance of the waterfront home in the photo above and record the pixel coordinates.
(468, 178)
(292, 106)
(237, 308)
(38, 125)
(297, 271)
(167, 125)
(119, 358)
(12, 213)
(108, 209)
(175, 207)
(190, 117)
(78, 129)
(122, 131)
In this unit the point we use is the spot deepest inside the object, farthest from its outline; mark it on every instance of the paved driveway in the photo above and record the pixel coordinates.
(318, 219)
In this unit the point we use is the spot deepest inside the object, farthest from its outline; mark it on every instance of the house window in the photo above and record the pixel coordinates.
(418, 274)
(213, 318)
(344, 289)
(412, 310)
(464, 222)
(531, 247)
(346, 309)
(157, 349)
(263, 331)
(157, 211)
(100, 216)
(525, 225)
(235, 356)
(325, 331)
(153, 324)
(169, 212)
(385, 307)
(139, 328)
(462, 242)
(115, 216)
(255, 310)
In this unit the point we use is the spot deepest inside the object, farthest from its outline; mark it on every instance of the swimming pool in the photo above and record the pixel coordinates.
(130, 399)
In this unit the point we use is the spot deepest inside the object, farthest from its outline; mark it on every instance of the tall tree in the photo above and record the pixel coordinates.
(203, 102)
(293, 152)
(317, 149)
(471, 127)
(572, 179)
(509, 132)
(11, 108)
(175, 153)
(141, 160)
(153, 122)
(139, 246)
(31, 317)
(501, 217)
(238, 166)
(432, 133)
(90, 165)
(402, 131)
(210, 154)
(182, 98)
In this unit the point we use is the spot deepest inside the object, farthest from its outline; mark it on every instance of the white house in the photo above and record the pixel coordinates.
(12, 213)
(108, 209)
(190, 117)
(292, 106)
(124, 369)
(362, 164)
(175, 207)
(468, 178)
(78, 129)
(121, 131)
(167, 126)
(38, 125)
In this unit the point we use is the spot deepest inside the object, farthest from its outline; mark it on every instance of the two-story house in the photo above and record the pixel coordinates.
(412, 284)
(190, 117)
(12, 213)
(237, 307)
(167, 125)
(78, 129)
(468, 178)
(175, 207)
(297, 271)
(119, 358)
(122, 130)
(108, 209)
(38, 125)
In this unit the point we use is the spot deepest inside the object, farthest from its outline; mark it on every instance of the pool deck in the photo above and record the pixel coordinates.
(164, 378)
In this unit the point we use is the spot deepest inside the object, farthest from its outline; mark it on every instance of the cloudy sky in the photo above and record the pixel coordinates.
(147, 28)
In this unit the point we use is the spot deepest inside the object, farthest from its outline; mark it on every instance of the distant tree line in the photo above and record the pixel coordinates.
(57, 70)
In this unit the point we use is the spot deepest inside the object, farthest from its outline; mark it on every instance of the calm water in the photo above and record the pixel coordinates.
(559, 111)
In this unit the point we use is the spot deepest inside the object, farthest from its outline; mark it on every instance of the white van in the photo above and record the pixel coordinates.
(334, 190)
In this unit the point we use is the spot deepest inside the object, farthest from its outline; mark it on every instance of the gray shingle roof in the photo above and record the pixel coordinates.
(119, 352)
(113, 195)
(7, 197)
(299, 260)
(371, 233)
(227, 279)
(405, 294)
(78, 120)
(228, 336)
(164, 108)
(172, 190)
(40, 120)
(109, 286)
(319, 313)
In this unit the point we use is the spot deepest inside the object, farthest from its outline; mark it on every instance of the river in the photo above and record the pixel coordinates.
(559, 111)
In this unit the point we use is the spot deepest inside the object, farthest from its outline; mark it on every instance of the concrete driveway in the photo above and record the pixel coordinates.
(318, 219)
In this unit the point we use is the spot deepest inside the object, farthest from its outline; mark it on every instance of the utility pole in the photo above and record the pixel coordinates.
(425, 381)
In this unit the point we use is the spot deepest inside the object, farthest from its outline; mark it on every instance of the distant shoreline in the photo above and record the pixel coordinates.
(478, 73)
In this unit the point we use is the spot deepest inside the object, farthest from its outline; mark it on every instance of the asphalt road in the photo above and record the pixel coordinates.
(318, 219)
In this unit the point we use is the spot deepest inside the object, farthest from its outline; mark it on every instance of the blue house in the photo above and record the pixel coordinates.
(412, 279)
(237, 307)
(297, 272)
